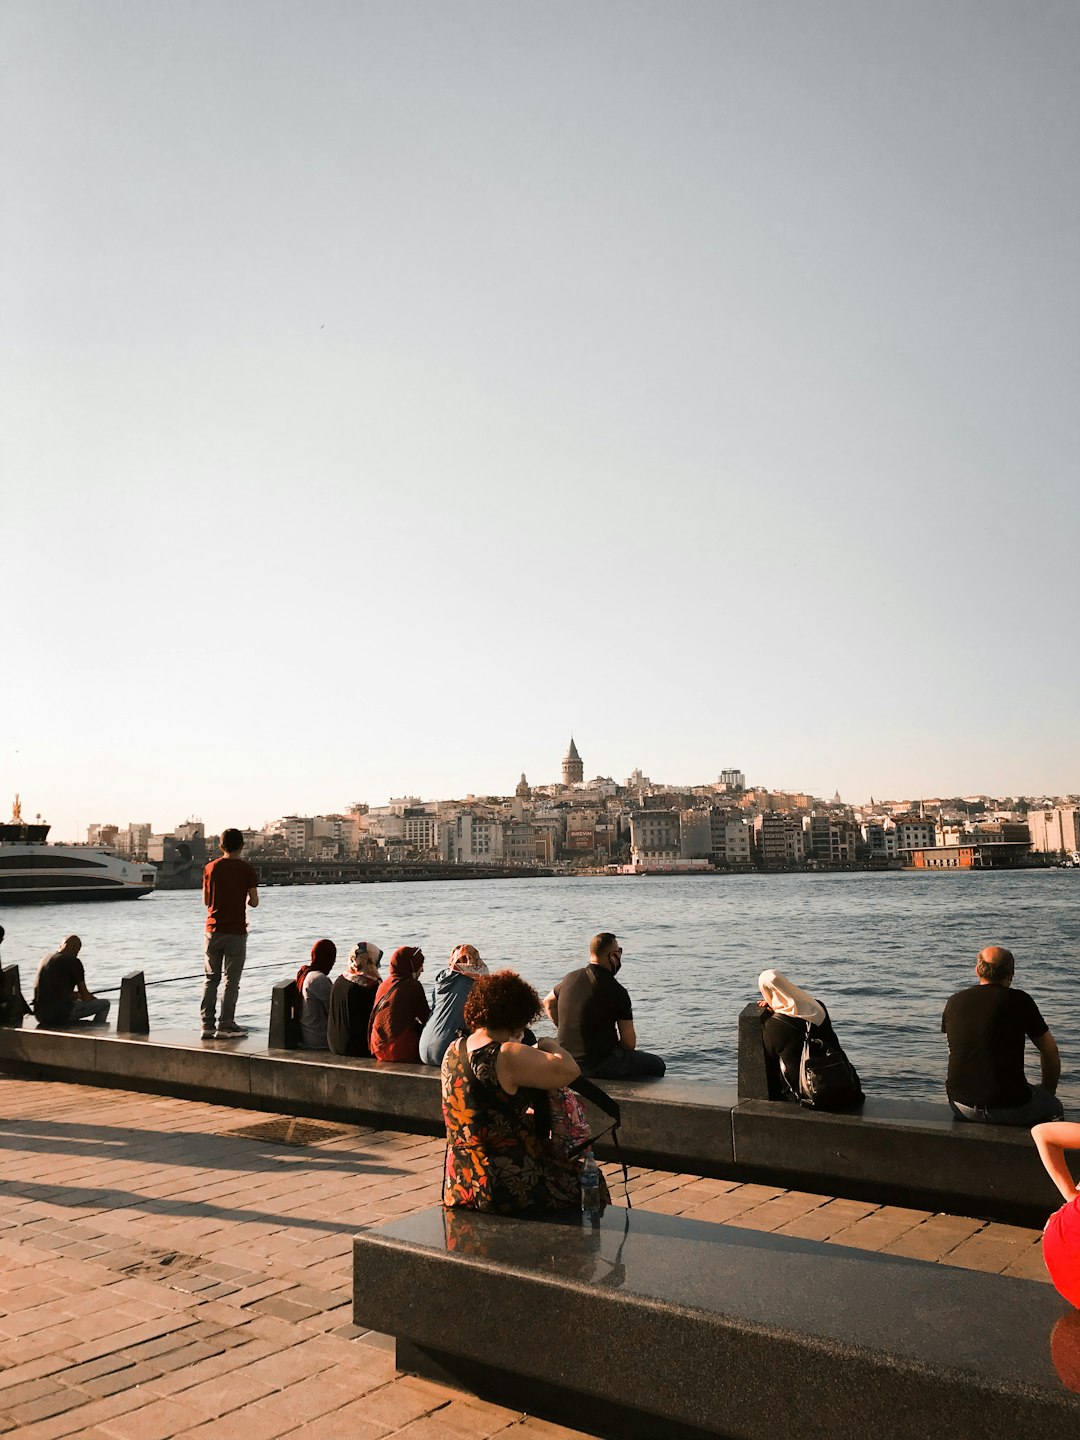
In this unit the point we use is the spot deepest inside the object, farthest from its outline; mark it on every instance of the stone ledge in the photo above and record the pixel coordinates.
(889, 1152)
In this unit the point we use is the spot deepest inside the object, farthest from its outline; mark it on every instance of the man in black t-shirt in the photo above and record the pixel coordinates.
(60, 993)
(986, 1026)
(595, 1020)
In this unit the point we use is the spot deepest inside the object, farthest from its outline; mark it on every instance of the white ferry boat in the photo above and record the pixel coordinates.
(32, 871)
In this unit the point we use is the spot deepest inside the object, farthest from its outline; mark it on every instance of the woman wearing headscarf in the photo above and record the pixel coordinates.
(452, 987)
(351, 998)
(313, 983)
(787, 1009)
(400, 1008)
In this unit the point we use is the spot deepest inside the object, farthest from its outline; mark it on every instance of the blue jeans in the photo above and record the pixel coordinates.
(95, 1010)
(1041, 1105)
(626, 1065)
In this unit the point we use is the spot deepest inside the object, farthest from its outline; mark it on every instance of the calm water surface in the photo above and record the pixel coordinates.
(883, 951)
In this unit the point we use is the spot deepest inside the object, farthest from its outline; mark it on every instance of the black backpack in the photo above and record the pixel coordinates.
(827, 1079)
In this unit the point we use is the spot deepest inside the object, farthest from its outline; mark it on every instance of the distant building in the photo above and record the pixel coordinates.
(102, 835)
(523, 791)
(879, 836)
(830, 839)
(573, 768)
(913, 833)
(733, 779)
(778, 838)
(655, 835)
(1055, 831)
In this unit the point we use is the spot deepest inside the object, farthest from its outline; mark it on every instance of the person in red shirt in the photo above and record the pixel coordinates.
(229, 887)
(1061, 1238)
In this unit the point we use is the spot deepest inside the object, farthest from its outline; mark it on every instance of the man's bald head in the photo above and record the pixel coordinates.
(995, 965)
(72, 945)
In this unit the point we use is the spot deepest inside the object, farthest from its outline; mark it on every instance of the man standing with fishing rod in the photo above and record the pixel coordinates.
(230, 885)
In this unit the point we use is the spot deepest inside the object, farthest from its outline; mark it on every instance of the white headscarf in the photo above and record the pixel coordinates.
(466, 961)
(783, 997)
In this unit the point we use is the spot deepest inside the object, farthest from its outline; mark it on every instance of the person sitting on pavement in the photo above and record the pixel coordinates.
(497, 1159)
(60, 994)
(595, 1020)
(313, 983)
(352, 996)
(986, 1025)
(1061, 1236)
(452, 988)
(787, 1009)
(400, 1009)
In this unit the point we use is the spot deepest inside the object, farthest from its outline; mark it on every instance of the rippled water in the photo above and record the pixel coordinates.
(883, 951)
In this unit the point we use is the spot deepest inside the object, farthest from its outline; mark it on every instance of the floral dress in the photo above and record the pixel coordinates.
(495, 1160)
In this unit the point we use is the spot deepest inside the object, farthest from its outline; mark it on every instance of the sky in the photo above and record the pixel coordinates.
(390, 390)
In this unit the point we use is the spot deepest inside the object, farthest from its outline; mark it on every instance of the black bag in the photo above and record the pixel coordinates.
(827, 1078)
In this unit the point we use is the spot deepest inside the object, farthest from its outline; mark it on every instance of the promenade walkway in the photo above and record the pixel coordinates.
(169, 1267)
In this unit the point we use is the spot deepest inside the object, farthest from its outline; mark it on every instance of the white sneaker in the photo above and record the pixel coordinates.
(230, 1032)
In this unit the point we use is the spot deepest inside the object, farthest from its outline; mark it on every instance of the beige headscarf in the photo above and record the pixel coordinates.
(783, 997)
(465, 959)
(364, 963)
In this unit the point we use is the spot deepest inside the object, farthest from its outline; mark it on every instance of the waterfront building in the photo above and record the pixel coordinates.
(1055, 831)
(914, 833)
(105, 835)
(655, 836)
(830, 839)
(573, 767)
(879, 836)
(778, 838)
(134, 842)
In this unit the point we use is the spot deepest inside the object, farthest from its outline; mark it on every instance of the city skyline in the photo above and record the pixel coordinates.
(540, 783)
(384, 385)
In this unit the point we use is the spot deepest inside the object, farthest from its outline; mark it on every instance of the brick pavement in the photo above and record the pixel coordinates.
(162, 1276)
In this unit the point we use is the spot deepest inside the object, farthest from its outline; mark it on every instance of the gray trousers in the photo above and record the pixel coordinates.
(228, 953)
(1040, 1106)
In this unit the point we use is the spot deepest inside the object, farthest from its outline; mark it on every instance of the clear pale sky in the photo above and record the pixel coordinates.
(389, 389)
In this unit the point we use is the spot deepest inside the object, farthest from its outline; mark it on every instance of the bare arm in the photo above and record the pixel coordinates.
(1052, 1140)
(1050, 1061)
(253, 897)
(551, 1006)
(82, 992)
(627, 1034)
(549, 1068)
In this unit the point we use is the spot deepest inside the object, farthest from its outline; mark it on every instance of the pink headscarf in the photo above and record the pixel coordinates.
(466, 961)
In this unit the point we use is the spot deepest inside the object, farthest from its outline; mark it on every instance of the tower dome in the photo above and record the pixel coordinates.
(573, 767)
(523, 791)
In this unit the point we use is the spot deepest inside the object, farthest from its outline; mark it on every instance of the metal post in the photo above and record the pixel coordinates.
(132, 1018)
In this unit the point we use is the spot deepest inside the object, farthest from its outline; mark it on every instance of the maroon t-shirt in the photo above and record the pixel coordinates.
(226, 882)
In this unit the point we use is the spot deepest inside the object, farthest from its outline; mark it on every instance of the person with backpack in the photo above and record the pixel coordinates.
(804, 1061)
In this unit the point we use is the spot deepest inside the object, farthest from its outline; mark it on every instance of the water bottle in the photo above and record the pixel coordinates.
(590, 1186)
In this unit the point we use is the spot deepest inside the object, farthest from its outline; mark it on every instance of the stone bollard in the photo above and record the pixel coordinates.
(132, 1017)
(753, 1076)
(285, 1016)
(13, 1004)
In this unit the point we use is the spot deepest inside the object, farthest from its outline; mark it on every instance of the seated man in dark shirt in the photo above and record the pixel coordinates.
(986, 1026)
(595, 1020)
(60, 993)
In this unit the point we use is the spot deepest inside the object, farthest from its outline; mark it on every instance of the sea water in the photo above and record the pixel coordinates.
(883, 951)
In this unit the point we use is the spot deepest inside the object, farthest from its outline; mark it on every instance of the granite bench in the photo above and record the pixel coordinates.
(640, 1325)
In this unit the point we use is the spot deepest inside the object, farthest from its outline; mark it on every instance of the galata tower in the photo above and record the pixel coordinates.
(573, 770)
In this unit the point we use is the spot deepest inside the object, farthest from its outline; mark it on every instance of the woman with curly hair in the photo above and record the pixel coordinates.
(499, 1157)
